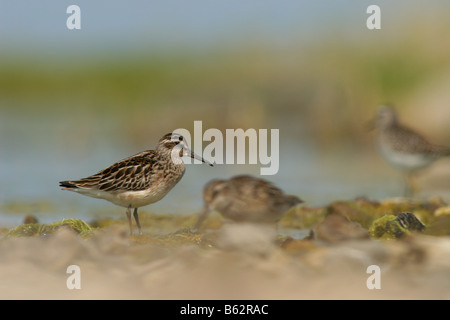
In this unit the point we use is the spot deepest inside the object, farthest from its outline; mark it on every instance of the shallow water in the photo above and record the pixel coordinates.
(36, 155)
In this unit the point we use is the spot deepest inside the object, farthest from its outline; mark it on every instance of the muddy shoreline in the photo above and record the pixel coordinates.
(235, 261)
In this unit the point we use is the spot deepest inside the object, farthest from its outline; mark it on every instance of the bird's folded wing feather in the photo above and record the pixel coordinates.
(132, 173)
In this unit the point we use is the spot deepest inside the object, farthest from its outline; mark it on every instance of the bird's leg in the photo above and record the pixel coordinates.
(409, 185)
(413, 183)
(129, 219)
(201, 217)
(136, 217)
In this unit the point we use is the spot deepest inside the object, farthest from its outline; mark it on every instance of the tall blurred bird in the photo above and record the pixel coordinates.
(246, 199)
(404, 148)
(138, 180)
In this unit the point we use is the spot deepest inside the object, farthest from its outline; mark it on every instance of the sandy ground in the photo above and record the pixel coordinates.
(243, 262)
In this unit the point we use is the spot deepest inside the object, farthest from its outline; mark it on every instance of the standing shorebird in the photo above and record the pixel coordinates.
(404, 148)
(139, 180)
(246, 199)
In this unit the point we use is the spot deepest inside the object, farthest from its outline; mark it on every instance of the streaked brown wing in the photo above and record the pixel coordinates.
(408, 140)
(256, 190)
(132, 173)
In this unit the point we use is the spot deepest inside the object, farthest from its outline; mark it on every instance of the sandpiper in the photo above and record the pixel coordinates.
(404, 148)
(138, 180)
(246, 199)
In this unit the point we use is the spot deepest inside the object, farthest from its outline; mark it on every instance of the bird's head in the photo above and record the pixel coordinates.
(176, 145)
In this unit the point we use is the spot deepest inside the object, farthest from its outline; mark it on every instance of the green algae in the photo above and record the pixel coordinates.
(27, 230)
(387, 227)
(171, 229)
(393, 227)
(37, 229)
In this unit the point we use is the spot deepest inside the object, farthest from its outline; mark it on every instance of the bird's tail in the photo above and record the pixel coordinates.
(68, 185)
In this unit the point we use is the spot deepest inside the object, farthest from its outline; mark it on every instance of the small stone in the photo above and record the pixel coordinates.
(410, 222)
(336, 228)
(440, 226)
(295, 245)
(29, 218)
(442, 211)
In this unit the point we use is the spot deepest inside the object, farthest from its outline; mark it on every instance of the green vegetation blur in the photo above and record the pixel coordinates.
(325, 91)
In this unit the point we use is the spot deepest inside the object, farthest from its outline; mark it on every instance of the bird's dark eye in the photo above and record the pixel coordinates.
(180, 138)
(176, 139)
(214, 193)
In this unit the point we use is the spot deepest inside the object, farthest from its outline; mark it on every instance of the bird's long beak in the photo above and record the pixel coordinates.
(193, 155)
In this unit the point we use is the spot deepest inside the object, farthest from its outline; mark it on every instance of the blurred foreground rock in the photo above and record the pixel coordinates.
(336, 228)
(393, 227)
